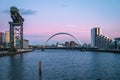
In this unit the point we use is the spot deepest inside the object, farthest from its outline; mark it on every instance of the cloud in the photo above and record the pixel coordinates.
(27, 12)
(22, 12)
(6, 11)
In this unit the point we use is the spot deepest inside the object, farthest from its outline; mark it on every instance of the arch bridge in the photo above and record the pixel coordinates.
(64, 33)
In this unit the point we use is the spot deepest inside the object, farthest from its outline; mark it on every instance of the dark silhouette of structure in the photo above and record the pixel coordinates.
(16, 29)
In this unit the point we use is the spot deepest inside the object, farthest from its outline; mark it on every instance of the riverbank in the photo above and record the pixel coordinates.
(20, 51)
(83, 49)
(102, 50)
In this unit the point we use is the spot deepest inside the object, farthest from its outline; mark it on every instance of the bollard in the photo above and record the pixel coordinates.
(40, 70)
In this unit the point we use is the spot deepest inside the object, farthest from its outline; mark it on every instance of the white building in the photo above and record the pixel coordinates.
(25, 44)
(94, 33)
(100, 41)
(7, 38)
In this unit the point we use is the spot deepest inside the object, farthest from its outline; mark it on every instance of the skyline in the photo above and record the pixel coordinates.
(47, 17)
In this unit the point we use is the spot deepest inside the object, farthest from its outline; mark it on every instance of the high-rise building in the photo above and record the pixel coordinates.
(100, 41)
(2, 40)
(94, 32)
(7, 37)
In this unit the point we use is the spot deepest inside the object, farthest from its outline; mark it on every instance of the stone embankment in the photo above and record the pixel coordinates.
(19, 51)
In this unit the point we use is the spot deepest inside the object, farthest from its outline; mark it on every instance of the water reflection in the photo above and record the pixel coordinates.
(61, 65)
(16, 67)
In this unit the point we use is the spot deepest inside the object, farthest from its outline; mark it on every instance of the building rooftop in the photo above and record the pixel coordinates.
(26, 40)
(117, 38)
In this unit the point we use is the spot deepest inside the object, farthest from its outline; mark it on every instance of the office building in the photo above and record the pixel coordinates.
(104, 42)
(100, 41)
(73, 43)
(7, 37)
(117, 43)
(2, 40)
(25, 44)
(67, 44)
(94, 33)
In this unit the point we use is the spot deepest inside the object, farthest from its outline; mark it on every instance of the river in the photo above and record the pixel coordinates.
(61, 65)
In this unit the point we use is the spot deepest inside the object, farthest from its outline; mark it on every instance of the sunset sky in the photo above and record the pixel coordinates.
(43, 18)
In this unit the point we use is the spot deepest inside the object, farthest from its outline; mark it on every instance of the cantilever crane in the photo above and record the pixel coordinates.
(16, 17)
(16, 29)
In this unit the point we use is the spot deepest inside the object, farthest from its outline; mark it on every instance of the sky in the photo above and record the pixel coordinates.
(44, 18)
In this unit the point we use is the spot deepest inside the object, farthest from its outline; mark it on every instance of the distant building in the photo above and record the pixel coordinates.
(73, 43)
(104, 42)
(86, 45)
(25, 44)
(2, 40)
(7, 38)
(67, 44)
(100, 41)
(117, 43)
(70, 44)
(94, 33)
(59, 45)
(16, 42)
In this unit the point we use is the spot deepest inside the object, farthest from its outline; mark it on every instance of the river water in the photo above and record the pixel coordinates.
(61, 65)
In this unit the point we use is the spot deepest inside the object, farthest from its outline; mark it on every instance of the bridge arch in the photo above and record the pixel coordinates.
(64, 34)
